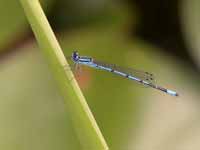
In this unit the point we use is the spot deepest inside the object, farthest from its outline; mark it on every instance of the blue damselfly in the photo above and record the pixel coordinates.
(141, 77)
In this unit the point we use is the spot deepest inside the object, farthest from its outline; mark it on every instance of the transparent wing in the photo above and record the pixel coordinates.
(146, 76)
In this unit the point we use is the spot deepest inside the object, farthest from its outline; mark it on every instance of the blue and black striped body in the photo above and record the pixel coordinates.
(88, 61)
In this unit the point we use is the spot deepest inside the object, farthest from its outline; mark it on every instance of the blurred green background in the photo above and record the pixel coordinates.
(161, 37)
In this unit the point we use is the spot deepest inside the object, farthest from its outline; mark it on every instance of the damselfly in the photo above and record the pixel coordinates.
(141, 77)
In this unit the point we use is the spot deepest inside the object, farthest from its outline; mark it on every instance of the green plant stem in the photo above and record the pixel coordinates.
(87, 130)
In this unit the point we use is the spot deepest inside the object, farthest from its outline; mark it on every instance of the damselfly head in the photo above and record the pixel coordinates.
(75, 56)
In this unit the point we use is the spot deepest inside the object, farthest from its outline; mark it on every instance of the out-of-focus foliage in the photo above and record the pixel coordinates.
(190, 22)
(13, 24)
(68, 15)
(33, 115)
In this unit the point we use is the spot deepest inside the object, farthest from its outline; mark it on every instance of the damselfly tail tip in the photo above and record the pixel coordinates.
(173, 93)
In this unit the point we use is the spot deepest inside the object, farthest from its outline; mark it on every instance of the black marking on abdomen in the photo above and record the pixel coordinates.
(141, 81)
(162, 89)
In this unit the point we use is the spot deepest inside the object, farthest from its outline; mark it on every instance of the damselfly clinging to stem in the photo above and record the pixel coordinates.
(141, 77)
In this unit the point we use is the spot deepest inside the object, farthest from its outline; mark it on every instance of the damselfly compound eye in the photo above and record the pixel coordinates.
(75, 56)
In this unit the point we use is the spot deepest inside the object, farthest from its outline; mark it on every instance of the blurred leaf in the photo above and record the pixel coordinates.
(190, 22)
(87, 13)
(33, 113)
(13, 24)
